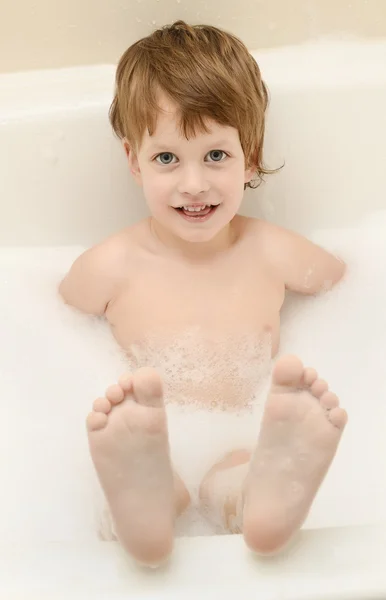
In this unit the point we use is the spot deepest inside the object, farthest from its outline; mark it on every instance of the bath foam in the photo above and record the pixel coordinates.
(343, 335)
(206, 371)
(54, 361)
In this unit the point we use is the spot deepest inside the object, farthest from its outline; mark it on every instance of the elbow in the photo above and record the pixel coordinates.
(62, 290)
(61, 287)
(340, 271)
(337, 275)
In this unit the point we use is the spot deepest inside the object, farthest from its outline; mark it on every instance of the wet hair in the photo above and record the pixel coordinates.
(207, 73)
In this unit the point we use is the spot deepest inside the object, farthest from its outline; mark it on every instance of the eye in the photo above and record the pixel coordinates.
(165, 158)
(217, 155)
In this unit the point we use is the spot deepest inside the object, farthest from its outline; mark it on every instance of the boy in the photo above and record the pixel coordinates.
(198, 279)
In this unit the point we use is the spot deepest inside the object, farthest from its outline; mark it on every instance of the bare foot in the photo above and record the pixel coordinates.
(128, 439)
(301, 429)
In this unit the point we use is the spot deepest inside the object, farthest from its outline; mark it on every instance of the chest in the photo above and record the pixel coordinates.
(216, 299)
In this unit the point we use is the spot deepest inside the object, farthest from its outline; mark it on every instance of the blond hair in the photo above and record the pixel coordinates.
(208, 73)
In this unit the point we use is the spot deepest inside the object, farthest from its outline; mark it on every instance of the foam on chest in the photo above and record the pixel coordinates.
(223, 371)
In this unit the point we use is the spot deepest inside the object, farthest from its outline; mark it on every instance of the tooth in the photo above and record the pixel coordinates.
(196, 208)
(193, 208)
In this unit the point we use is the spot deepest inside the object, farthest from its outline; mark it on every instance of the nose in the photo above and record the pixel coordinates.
(193, 180)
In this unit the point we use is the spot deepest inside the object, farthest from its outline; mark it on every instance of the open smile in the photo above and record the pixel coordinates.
(197, 213)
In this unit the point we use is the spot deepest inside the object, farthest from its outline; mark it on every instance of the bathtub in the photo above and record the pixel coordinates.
(64, 181)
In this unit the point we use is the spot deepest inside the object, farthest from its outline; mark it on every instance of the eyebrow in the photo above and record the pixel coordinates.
(219, 143)
(157, 147)
(215, 145)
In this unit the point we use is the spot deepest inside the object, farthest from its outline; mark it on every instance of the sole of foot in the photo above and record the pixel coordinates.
(301, 428)
(128, 440)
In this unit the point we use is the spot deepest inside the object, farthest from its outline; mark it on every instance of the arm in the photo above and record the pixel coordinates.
(305, 267)
(92, 280)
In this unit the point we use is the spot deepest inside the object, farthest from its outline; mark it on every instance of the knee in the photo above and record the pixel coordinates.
(155, 556)
(151, 552)
(181, 495)
(265, 539)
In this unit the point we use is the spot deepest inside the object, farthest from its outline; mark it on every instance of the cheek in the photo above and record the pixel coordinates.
(156, 186)
(233, 180)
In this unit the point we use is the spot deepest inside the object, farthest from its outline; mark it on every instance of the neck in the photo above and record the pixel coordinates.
(194, 250)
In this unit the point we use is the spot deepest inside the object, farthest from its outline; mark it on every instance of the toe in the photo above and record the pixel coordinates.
(329, 400)
(310, 375)
(96, 420)
(115, 394)
(147, 387)
(288, 371)
(126, 382)
(338, 417)
(319, 387)
(102, 405)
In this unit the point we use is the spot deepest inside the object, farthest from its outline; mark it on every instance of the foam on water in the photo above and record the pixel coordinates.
(54, 361)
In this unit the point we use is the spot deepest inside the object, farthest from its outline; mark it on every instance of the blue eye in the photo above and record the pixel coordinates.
(166, 158)
(216, 155)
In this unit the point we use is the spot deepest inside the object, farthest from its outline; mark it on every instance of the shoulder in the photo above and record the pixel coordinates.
(304, 266)
(275, 238)
(116, 253)
(263, 235)
(265, 229)
(96, 276)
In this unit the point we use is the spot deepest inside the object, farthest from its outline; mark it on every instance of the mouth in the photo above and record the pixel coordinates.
(197, 213)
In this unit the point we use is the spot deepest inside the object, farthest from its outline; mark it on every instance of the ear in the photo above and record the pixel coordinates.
(248, 174)
(133, 162)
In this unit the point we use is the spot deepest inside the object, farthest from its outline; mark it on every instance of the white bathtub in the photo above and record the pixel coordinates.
(64, 181)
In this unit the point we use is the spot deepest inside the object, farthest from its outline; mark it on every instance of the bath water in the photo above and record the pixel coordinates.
(54, 361)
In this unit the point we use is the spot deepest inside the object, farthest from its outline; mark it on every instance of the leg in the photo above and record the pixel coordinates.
(301, 429)
(221, 490)
(129, 446)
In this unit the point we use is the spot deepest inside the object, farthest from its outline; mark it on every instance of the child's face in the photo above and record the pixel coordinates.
(208, 169)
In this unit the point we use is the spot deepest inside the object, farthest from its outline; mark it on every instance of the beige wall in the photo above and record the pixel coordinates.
(53, 33)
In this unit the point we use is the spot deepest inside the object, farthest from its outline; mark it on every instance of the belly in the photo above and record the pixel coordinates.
(226, 372)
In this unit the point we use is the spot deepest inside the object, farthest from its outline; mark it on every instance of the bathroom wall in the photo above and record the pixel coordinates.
(38, 34)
